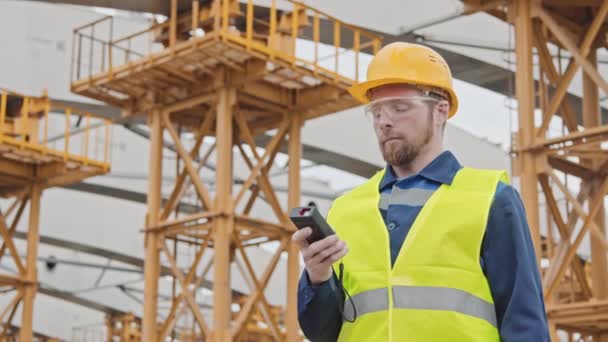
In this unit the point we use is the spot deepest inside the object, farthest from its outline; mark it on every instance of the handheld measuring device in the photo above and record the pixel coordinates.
(304, 217)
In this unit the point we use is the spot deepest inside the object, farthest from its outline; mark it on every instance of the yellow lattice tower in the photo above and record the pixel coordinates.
(576, 292)
(232, 71)
(32, 160)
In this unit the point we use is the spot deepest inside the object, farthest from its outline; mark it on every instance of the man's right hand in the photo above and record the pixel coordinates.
(319, 256)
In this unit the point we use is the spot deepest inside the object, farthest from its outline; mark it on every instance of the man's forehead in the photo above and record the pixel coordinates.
(393, 90)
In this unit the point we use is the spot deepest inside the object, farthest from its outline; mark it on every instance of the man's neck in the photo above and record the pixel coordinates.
(423, 159)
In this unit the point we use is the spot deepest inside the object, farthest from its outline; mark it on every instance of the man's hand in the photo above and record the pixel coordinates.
(319, 256)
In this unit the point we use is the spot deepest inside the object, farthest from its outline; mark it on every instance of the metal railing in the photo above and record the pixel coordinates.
(25, 124)
(94, 332)
(303, 25)
(287, 30)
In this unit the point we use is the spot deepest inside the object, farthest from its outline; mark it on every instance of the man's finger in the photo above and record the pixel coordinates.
(319, 246)
(300, 236)
(336, 256)
(322, 255)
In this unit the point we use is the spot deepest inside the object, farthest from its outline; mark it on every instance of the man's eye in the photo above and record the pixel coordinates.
(401, 107)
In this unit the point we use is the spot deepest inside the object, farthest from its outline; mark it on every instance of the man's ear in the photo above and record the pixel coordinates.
(440, 115)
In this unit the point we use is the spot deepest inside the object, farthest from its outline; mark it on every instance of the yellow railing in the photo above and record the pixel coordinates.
(299, 27)
(25, 124)
(289, 30)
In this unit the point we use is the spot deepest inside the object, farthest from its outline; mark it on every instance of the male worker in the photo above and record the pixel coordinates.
(430, 251)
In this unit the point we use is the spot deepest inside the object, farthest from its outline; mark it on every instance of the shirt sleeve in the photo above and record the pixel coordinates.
(318, 309)
(509, 263)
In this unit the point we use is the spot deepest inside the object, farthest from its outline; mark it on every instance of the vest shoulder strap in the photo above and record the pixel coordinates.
(372, 185)
(472, 179)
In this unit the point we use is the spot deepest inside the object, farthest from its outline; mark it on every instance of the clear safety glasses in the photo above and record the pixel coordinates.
(395, 107)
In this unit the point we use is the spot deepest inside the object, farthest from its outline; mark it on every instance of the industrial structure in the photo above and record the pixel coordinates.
(234, 75)
(575, 292)
(228, 85)
(31, 163)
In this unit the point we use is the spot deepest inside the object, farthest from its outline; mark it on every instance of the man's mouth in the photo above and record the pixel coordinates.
(387, 140)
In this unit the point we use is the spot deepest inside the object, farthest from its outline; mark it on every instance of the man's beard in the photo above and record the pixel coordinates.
(407, 151)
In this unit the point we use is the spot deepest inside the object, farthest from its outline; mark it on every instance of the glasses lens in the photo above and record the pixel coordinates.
(394, 107)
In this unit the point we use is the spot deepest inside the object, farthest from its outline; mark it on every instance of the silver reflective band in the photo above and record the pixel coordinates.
(443, 298)
(366, 302)
(414, 197)
(425, 298)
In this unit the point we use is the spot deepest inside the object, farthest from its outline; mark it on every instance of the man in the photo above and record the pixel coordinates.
(429, 250)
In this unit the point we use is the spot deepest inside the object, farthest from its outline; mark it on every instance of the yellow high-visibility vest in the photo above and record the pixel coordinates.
(436, 290)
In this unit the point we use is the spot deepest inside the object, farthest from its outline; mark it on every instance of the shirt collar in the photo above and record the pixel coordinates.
(442, 170)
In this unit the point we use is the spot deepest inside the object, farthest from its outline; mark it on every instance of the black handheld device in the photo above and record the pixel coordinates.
(304, 217)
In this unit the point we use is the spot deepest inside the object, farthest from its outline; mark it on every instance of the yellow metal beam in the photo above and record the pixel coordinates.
(224, 225)
(152, 261)
(29, 291)
(293, 257)
(16, 169)
(524, 88)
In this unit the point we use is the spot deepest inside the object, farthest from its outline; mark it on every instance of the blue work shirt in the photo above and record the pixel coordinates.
(507, 257)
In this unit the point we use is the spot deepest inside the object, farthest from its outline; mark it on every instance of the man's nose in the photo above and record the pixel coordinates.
(384, 120)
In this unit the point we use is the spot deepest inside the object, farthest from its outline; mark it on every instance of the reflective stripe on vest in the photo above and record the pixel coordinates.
(424, 298)
(412, 197)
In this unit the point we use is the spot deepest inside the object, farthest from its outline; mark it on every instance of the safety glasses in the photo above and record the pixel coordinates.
(395, 107)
